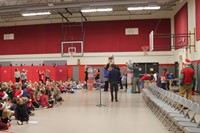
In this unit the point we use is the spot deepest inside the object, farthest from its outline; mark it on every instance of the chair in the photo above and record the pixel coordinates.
(180, 101)
(194, 125)
(186, 117)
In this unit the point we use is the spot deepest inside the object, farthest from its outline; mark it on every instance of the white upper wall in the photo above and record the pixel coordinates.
(122, 57)
(97, 58)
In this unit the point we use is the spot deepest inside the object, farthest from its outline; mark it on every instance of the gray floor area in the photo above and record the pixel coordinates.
(79, 114)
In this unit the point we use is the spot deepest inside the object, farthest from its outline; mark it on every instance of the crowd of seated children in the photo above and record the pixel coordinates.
(62, 88)
(68, 85)
(19, 100)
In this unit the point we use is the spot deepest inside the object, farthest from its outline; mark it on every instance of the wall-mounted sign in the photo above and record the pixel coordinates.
(131, 31)
(8, 36)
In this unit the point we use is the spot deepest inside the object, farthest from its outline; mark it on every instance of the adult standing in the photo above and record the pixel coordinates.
(136, 77)
(105, 75)
(17, 75)
(120, 79)
(97, 74)
(23, 76)
(187, 81)
(47, 75)
(146, 77)
(113, 78)
(86, 76)
(157, 79)
(191, 66)
(97, 77)
(41, 76)
(164, 82)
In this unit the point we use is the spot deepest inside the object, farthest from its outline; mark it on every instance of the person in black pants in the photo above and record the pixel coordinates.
(120, 78)
(86, 76)
(105, 74)
(113, 77)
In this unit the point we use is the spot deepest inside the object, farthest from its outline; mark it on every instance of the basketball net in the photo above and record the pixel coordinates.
(145, 49)
(71, 53)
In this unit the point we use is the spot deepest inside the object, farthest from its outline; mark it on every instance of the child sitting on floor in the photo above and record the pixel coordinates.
(3, 126)
(5, 115)
(62, 88)
(44, 100)
(69, 87)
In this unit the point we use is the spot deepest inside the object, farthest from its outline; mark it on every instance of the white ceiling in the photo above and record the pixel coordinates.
(10, 10)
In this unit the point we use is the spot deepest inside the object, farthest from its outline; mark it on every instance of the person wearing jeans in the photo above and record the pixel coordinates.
(136, 77)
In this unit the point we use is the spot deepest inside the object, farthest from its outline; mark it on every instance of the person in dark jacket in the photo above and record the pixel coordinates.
(113, 77)
(120, 79)
(22, 112)
(86, 76)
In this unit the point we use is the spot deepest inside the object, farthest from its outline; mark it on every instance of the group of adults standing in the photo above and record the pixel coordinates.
(112, 76)
(23, 75)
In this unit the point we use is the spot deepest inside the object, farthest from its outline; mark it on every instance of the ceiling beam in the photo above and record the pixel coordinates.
(83, 16)
(63, 5)
(68, 11)
(63, 16)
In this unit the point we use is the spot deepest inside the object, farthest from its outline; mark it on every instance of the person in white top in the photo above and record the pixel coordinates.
(17, 75)
(157, 79)
(23, 76)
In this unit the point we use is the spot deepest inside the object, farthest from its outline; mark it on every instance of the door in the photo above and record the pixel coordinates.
(152, 67)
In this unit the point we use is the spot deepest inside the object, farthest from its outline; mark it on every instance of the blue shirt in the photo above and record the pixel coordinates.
(114, 75)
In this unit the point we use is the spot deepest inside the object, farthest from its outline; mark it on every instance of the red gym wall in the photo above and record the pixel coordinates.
(57, 73)
(197, 19)
(99, 37)
(181, 25)
(110, 36)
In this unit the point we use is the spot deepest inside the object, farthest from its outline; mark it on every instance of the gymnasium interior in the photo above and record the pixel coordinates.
(66, 37)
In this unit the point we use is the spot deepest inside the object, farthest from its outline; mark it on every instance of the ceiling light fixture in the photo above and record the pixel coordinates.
(97, 10)
(35, 14)
(152, 8)
(144, 8)
(135, 8)
(104, 10)
(88, 10)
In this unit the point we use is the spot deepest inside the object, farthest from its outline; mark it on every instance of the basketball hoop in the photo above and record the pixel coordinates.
(71, 51)
(145, 49)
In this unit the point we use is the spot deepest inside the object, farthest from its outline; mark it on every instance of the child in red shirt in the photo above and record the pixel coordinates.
(44, 100)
